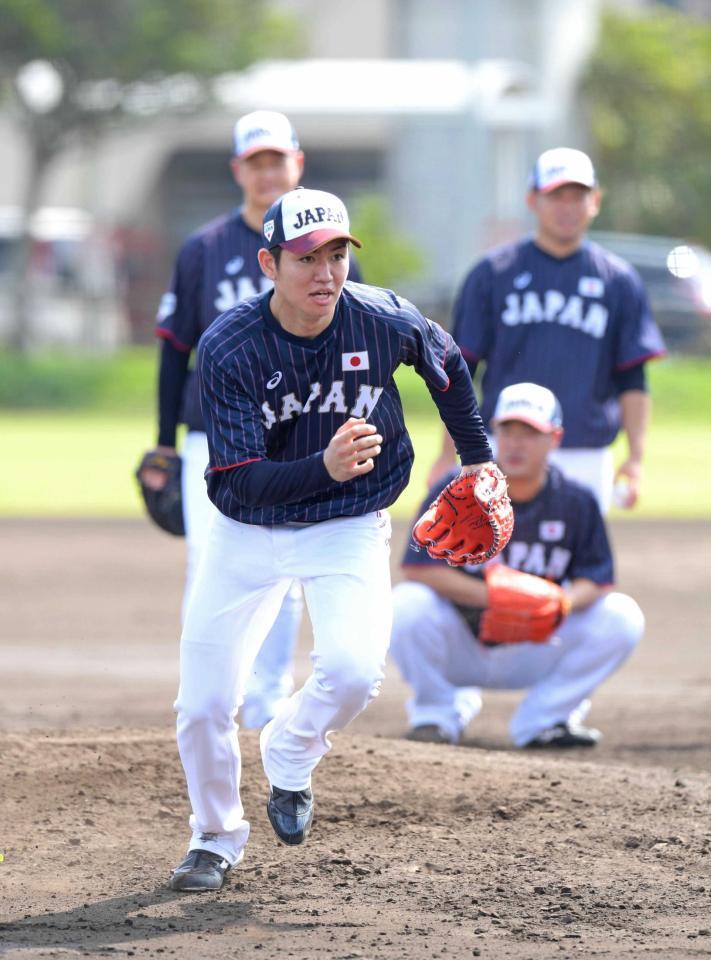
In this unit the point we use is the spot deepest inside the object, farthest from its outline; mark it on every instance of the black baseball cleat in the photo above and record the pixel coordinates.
(428, 733)
(200, 870)
(291, 813)
(564, 735)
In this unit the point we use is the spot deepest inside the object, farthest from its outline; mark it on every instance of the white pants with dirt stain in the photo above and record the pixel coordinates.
(271, 680)
(245, 572)
(447, 667)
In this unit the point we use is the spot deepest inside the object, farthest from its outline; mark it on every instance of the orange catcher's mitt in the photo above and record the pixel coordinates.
(470, 521)
(520, 608)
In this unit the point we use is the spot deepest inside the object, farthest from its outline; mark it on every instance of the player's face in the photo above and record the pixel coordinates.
(521, 450)
(307, 288)
(266, 175)
(564, 214)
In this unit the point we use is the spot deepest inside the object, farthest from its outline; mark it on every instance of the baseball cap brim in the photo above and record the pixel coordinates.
(315, 239)
(263, 148)
(549, 187)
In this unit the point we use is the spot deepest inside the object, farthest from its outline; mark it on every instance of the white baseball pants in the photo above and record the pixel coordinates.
(244, 574)
(270, 681)
(593, 467)
(441, 660)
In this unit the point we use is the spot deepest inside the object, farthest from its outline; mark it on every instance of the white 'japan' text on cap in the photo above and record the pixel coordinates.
(303, 220)
(264, 130)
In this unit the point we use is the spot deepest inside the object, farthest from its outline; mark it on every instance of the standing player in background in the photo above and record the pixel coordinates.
(308, 448)
(563, 312)
(215, 270)
(559, 536)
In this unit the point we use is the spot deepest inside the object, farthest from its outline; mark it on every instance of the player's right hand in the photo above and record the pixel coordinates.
(352, 449)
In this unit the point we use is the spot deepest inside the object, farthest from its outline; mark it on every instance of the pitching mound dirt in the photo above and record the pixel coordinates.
(417, 851)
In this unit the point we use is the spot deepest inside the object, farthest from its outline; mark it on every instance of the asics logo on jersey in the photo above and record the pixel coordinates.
(317, 215)
(333, 401)
(274, 380)
(234, 265)
(553, 307)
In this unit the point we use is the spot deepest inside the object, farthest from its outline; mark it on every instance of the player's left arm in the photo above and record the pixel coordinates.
(583, 592)
(636, 412)
(639, 341)
(472, 331)
(591, 572)
(439, 361)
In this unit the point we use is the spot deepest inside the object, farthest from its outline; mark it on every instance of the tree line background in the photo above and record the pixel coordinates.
(643, 98)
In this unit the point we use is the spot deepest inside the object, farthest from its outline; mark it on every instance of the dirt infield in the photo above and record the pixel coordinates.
(417, 851)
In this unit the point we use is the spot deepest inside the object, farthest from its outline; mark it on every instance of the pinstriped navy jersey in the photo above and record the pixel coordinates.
(568, 324)
(216, 269)
(559, 534)
(268, 394)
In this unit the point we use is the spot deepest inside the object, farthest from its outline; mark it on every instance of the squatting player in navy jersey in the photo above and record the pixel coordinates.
(216, 269)
(559, 534)
(308, 448)
(565, 313)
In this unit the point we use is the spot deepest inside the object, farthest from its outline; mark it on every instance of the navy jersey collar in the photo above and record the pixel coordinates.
(549, 256)
(275, 327)
(553, 480)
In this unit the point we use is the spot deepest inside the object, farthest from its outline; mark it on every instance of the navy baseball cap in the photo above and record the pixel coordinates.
(303, 220)
(559, 166)
(532, 404)
(264, 130)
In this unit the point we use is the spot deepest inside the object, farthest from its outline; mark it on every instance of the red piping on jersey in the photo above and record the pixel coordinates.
(635, 363)
(449, 379)
(173, 340)
(242, 463)
(469, 353)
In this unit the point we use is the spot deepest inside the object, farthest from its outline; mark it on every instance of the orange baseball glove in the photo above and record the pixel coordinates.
(470, 521)
(521, 608)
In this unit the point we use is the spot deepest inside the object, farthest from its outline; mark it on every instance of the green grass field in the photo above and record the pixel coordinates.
(78, 462)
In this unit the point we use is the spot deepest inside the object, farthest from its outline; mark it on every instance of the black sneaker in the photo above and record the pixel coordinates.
(565, 735)
(200, 870)
(291, 813)
(428, 733)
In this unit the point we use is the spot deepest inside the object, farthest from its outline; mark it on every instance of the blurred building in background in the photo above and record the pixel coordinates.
(440, 108)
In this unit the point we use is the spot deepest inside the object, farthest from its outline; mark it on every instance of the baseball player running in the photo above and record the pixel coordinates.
(559, 310)
(216, 269)
(308, 448)
(511, 627)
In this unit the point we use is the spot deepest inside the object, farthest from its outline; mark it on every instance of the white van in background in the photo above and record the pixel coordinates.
(677, 276)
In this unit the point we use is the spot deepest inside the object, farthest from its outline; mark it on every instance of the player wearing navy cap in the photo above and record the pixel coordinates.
(559, 535)
(216, 269)
(563, 312)
(308, 447)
